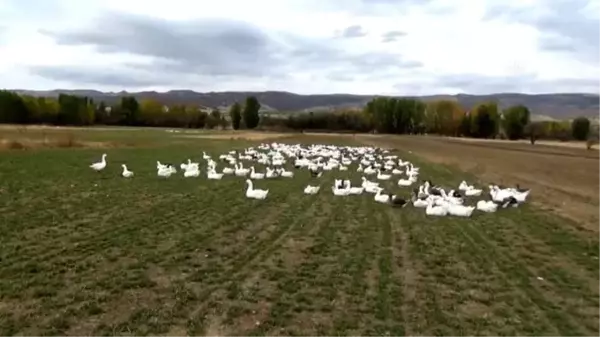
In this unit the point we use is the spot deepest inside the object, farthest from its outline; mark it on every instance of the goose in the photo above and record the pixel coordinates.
(191, 171)
(520, 196)
(240, 171)
(271, 173)
(213, 175)
(286, 174)
(205, 156)
(473, 192)
(254, 175)
(338, 183)
(171, 168)
(360, 168)
(460, 210)
(419, 202)
(369, 170)
(343, 191)
(343, 168)
(371, 189)
(255, 194)
(366, 182)
(126, 173)
(189, 164)
(421, 192)
(509, 201)
(499, 195)
(487, 206)
(159, 165)
(451, 199)
(228, 170)
(383, 176)
(382, 198)
(311, 189)
(463, 186)
(396, 171)
(433, 210)
(99, 166)
(164, 172)
(407, 182)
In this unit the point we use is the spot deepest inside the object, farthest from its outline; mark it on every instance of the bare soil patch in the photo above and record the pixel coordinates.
(571, 144)
(60, 142)
(256, 136)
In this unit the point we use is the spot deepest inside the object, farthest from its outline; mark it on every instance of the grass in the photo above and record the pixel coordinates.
(91, 253)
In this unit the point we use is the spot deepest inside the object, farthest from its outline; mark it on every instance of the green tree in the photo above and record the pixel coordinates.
(235, 113)
(514, 120)
(130, 110)
(484, 120)
(580, 128)
(151, 112)
(464, 129)
(48, 109)
(251, 108)
(70, 112)
(444, 117)
(12, 108)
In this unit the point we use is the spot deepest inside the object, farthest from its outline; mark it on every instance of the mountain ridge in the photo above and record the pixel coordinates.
(555, 105)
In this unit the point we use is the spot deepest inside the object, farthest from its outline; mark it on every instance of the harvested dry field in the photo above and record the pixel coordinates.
(92, 253)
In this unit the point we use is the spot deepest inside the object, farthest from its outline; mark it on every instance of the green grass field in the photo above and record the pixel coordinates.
(83, 252)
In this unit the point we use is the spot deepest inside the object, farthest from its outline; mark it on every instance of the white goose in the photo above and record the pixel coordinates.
(354, 190)
(463, 186)
(254, 175)
(383, 176)
(311, 189)
(472, 192)
(407, 182)
(191, 171)
(213, 175)
(271, 173)
(419, 202)
(382, 198)
(487, 206)
(164, 172)
(460, 210)
(441, 210)
(286, 174)
(240, 171)
(99, 166)
(369, 170)
(126, 173)
(255, 194)
(366, 183)
(343, 191)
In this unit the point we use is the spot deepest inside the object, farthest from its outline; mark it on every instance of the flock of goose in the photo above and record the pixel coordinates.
(319, 158)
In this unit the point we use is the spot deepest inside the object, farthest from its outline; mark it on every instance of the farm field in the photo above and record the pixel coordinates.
(85, 253)
(565, 180)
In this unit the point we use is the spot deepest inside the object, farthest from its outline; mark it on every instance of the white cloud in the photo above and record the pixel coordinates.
(306, 46)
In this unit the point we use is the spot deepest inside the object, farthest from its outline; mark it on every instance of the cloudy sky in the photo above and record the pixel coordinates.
(402, 47)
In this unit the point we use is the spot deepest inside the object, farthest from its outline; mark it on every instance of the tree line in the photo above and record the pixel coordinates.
(77, 110)
(381, 115)
(442, 117)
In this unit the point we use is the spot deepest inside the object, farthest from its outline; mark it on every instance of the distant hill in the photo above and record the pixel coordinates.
(550, 106)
